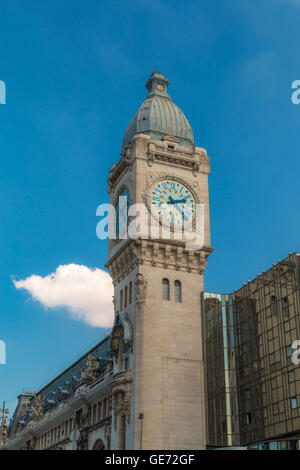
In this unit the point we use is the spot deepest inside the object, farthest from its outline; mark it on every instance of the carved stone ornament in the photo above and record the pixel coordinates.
(117, 171)
(90, 371)
(82, 441)
(195, 168)
(84, 416)
(140, 290)
(37, 408)
(122, 332)
(121, 406)
(177, 155)
(107, 431)
(157, 254)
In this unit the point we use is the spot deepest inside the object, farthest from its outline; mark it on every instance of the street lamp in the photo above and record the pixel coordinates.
(3, 424)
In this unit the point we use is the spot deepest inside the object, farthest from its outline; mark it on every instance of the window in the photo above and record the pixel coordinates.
(291, 376)
(95, 413)
(126, 363)
(285, 306)
(274, 305)
(272, 358)
(248, 418)
(125, 297)
(276, 409)
(123, 432)
(274, 382)
(130, 292)
(99, 414)
(121, 300)
(166, 289)
(99, 445)
(294, 404)
(177, 291)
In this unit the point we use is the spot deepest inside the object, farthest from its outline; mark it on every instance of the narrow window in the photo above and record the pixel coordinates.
(273, 305)
(177, 291)
(166, 289)
(121, 300)
(248, 418)
(291, 376)
(276, 409)
(125, 297)
(285, 306)
(130, 292)
(99, 414)
(104, 408)
(95, 413)
(294, 403)
(123, 432)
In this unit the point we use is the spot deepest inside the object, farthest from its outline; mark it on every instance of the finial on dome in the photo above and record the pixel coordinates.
(157, 84)
(158, 116)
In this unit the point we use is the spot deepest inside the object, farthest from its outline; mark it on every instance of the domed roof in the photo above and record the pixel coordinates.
(159, 116)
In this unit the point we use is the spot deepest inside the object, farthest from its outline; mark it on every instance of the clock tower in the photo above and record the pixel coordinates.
(158, 388)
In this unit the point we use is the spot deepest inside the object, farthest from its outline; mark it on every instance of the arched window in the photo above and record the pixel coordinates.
(130, 292)
(177, 291)
(99, 445)
(166, 289)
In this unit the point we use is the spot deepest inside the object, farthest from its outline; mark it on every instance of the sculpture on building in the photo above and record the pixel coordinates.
(37, 408)
(90, 372)
(140, 290)
(82, 441)
(121, 406)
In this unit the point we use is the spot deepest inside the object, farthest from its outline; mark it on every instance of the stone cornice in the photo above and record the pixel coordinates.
(192, 158)
(196, 160)
(159, 253)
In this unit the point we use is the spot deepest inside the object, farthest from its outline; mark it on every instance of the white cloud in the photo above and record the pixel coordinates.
(86, 293)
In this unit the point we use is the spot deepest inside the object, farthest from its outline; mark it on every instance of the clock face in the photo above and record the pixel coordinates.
(122, 208)
(160, 87)
(173, 202)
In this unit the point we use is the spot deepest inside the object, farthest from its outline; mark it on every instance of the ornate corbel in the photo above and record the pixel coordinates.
(195, 168)
(140, 290)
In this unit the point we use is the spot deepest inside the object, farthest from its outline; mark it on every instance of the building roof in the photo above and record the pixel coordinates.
(158, 116)
(61, 387)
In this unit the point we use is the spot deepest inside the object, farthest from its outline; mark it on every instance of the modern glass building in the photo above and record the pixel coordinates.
(253, 386)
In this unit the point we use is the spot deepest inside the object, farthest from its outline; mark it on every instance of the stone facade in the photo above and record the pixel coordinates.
(159, 380)
(168, 372)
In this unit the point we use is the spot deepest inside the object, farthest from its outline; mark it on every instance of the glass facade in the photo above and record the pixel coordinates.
(220, 360)
(253, 387)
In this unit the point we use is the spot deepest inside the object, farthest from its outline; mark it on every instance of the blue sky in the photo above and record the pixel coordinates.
(75, 74)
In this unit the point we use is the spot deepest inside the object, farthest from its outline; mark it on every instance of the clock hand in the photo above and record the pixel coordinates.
(179, 200)
(181, 211)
